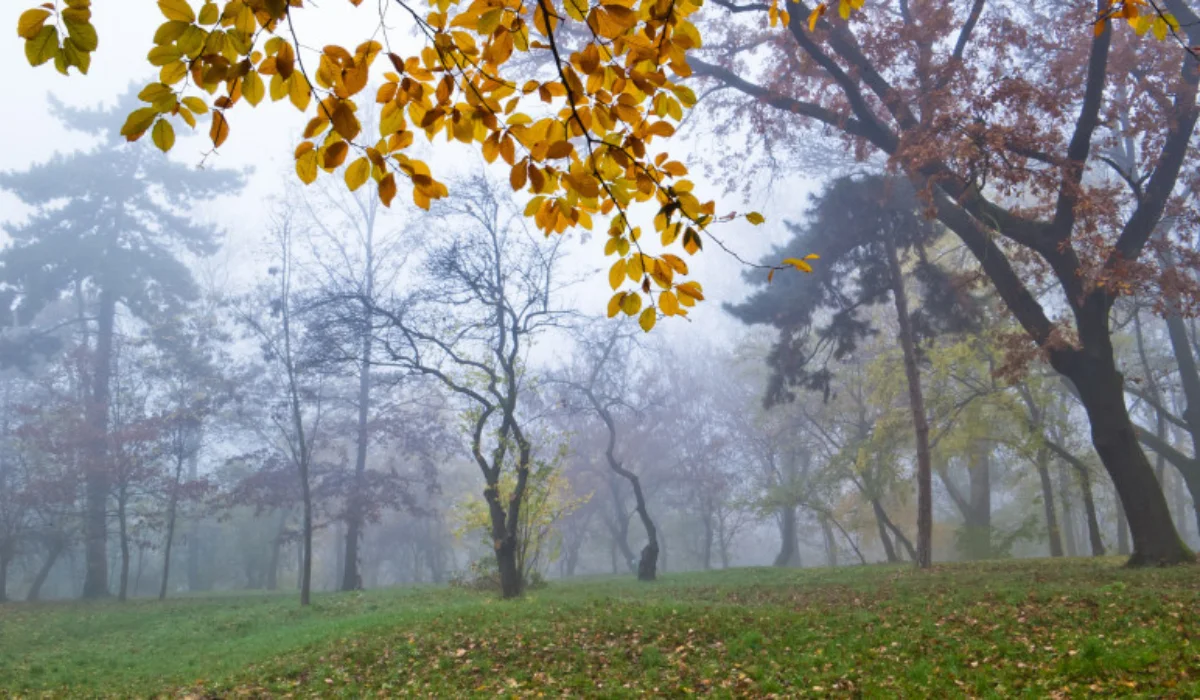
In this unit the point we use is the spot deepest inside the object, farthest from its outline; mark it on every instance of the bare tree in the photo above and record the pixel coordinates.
(486, 296)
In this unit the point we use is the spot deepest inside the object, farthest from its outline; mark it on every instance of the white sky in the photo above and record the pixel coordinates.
(265, 137)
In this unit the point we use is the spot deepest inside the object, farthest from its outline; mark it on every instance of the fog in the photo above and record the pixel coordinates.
(947, 343)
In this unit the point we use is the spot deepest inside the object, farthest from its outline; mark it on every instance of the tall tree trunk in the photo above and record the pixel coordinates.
(96, 477)
(706, 547)
(195, 583)
(1101, 389)
(981, 500)
(889, 549)
(172, 510)
(830, 542)
(1122, 530)
(1064, 495)
(55, 545)
(619, 528)
(789, 548)
(1052, 531)
(5, 558)
(1182, 515)
(123, 524)
(647, 569)
(351, 578)
(1089, 509)
(917, 404)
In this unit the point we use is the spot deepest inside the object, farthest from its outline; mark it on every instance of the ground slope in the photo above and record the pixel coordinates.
(1000, 629)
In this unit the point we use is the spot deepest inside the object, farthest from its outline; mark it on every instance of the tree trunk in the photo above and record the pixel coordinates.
(917, 404)
(889, 549)
(830, 543)
(172, 509)
(706, 548)
(620, 529)
(1089, 509)
(1101, 389)
(351, 578)
(789, 548)
(1064, 495)
(5, 558)
(1122, 530)
(272, 582)
(95, 582)
(123, 523)
(1052, 531)
(647, 569)
(54, 548)
(195, 583)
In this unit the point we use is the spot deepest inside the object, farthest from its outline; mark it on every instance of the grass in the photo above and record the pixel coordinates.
(997, 629)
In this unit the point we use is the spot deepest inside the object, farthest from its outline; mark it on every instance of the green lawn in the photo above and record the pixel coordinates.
(998, 629)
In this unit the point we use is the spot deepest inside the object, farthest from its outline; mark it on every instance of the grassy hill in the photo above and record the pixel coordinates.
(1018, 628)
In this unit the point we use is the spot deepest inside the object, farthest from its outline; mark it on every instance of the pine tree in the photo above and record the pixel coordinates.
(116, 242)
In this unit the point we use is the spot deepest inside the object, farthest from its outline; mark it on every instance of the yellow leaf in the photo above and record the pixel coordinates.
(30, 23)
(357, 173)
(196, 104)
(298, 91)
(178, 10)
(815, 16)
(163, 135)
(614, 304)
(798, 264)
(755, 218)
(137, 122)
(631, 304)
(669, 303)
(209, 13)
(83, 33)
(252, 88)
(647, 319)
(42, 47)
(306, 166)
(616, 273)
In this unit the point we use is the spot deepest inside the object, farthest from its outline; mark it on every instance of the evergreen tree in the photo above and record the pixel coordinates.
(117, 241)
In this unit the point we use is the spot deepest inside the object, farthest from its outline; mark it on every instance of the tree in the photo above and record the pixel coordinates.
(1002, 164)
(350, 271)
(858, 226)
(487, 295)
(295, 402)
(913, 84)
(116, 243)
(609, 360)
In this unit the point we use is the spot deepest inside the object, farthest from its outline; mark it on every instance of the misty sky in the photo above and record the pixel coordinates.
(265, 137)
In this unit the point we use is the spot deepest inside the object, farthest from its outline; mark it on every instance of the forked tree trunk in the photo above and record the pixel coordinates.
(917, 405)
(96, 477)
(889, 549)
(831, 556)
(54, 548)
